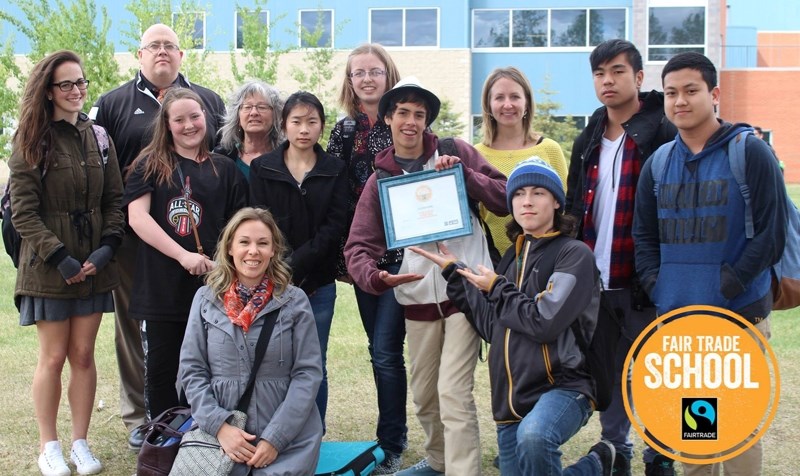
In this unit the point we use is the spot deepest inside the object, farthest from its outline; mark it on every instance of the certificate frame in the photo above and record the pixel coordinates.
(412, 203)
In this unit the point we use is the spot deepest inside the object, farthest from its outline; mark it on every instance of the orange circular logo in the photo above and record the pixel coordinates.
(705, 384)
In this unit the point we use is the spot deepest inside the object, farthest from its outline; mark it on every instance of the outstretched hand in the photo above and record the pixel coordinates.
(398, 279)
(483, 280)
(442, 258)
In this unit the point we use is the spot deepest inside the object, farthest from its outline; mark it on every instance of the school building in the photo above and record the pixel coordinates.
(452, 45)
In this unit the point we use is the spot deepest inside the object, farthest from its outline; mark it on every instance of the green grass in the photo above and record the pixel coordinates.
(352, 409)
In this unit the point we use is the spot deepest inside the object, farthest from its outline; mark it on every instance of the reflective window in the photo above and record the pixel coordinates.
(542, 28)
(316, 28)
(530, 28)
(405, 26)
(261, 20)
(190, 26)
(673, 30)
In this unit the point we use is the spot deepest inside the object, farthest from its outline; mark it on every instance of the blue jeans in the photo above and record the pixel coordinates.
(616, 426)
(382, 317)
(532, 446)
(323, 301)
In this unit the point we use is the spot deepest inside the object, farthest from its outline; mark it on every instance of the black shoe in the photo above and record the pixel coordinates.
(136, 439)
(622, 466)
(661, 466)
(496, 462)
(607, 453)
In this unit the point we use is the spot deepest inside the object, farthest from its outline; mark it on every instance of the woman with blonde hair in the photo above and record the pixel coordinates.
(179, 197)
(356, 139)
(66, 190)
(508, 135)
(252, 124)
(251, 280)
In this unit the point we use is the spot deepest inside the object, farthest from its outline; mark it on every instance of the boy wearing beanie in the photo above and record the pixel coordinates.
(542, 393)
(442, 346)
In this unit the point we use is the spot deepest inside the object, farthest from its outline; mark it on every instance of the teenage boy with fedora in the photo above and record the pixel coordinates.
(442, 345)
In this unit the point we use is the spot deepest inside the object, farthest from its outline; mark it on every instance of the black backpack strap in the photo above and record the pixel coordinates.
(348, 138)
(261, 350)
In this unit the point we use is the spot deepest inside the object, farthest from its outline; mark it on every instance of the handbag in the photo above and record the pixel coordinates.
(200, 452)
(348, 458)
(162, 438)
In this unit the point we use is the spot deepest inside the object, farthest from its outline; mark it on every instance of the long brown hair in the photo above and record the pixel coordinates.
(489, 124)
(224, 274)
(34, 131)
(347, 96)
(157, 156)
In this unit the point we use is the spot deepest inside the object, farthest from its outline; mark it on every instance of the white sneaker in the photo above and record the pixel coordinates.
(51, 461)
(83, 458)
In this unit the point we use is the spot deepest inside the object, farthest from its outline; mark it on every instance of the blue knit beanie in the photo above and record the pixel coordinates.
(534, 172)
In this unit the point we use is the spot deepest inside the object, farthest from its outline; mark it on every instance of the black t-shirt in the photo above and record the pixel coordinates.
(162, 289)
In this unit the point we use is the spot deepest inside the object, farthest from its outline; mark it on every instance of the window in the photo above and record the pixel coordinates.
(316, 28)
(190, 28)
(404, 26)
(477, 125)
(542, 28)
(257, 23)
(673, 30)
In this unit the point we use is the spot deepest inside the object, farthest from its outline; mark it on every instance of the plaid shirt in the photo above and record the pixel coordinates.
(622, 264)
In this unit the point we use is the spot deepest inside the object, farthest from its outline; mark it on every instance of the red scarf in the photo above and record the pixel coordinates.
(243, 304)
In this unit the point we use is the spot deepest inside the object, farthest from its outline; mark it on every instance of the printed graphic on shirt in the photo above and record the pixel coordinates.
(178, 211)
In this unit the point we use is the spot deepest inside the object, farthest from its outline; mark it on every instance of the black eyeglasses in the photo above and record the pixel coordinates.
(155, 47)
(373, 73)
(67, 86)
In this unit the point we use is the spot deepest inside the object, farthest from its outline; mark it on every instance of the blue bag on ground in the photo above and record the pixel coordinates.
(353, 458)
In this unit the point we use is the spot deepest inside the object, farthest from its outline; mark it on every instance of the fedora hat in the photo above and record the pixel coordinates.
(406, 86)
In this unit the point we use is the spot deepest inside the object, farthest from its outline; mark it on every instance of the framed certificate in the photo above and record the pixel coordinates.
(426, 206)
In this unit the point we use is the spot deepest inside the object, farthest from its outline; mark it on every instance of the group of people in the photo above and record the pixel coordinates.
(202, 220)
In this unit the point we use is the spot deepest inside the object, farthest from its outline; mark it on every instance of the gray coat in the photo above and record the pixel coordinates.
(216, 359)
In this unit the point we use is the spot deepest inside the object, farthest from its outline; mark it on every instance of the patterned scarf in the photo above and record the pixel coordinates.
(242, 304)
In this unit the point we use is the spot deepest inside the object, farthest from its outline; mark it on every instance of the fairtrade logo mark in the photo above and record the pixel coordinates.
(699, 419)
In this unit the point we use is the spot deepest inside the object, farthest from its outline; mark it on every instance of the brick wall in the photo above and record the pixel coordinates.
(766, 98)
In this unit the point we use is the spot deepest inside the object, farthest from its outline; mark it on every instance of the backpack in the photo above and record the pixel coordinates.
(447, 146)
(786, 272)
(600, 353)
(11, 239)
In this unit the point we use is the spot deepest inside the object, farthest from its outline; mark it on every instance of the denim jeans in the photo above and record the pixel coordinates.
(532, 446)
(384, 324)
(323, 301)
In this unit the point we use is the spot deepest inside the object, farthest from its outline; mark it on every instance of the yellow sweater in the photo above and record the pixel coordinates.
(505, 160)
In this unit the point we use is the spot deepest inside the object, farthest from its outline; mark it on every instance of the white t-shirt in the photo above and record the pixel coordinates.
(605, 201)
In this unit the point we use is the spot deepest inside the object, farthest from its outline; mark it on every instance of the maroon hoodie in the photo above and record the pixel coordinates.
(366, 243)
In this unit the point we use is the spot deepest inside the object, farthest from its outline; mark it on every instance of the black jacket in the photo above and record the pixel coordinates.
(649, 128)
(312, 216)
(127, 112)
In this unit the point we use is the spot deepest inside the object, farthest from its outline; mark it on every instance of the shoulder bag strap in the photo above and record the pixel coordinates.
(261, 350)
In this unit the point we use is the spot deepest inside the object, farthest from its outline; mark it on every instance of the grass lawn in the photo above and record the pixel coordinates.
(352, 410)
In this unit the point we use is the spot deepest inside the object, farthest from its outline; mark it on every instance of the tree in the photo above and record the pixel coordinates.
(9, 97)
(261, 57)
(56, 25)
(318, 71)
(184, 19)
(545, 122)
(447, 123)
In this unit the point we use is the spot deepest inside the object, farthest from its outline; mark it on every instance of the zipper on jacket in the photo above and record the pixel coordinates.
(508, 375)
(548, 367)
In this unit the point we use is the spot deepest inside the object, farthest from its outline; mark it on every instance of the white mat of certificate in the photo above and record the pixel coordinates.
(425, 208)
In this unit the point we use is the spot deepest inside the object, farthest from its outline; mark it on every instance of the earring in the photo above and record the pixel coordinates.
(525, 114)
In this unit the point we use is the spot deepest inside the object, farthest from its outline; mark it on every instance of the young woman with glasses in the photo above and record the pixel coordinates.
(66, 191)
(356, 139)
